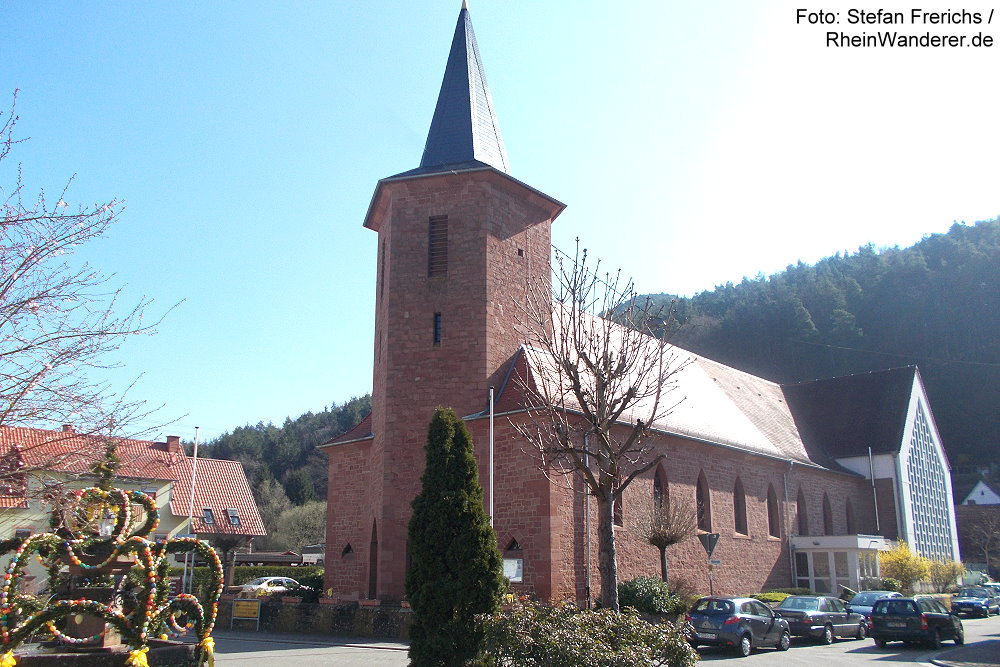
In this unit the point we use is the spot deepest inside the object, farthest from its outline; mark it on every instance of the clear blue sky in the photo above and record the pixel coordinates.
(695, 143)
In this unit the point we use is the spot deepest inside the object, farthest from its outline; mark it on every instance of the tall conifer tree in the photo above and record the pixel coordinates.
(456, 572)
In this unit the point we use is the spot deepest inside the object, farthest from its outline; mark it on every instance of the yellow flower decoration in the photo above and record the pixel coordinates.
(137, 658)
(208, 645)
(8, 659)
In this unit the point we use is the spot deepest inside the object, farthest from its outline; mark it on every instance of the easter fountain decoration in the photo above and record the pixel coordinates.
(108, 600)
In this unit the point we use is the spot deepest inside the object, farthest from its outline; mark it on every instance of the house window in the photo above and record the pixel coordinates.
(773, 523)
(22, 533)
(739, 508)
(151, 493)
(803, 512)
(234, 517)
(207, 516)
(827, 516)
(852, 527)
(437, 256)
(704, 503)
(437, 328)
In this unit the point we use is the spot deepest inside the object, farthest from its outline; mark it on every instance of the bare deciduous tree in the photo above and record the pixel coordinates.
(982, 537)
(596, 387)
(60, 321)
(665, 522)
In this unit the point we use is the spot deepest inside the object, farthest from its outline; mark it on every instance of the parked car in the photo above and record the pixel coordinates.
(270, 585)
(741, 623)
(915, 620)
(863, 602)
(821, 618)
(976, 600)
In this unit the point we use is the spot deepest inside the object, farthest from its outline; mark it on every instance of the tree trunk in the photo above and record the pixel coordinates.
(663, 564)
(607, 562)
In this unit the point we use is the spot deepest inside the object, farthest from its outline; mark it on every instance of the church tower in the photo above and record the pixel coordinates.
(458, 240)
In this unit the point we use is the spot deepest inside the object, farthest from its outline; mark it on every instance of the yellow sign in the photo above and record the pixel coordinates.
(246, 609)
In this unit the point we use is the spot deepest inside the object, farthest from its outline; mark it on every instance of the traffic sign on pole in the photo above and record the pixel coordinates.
(709, 540)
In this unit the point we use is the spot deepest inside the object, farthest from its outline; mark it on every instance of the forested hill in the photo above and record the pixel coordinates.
(288, 455)
(935, 305)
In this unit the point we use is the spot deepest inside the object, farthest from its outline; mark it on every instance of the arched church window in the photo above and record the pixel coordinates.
(704, 502)
(661, 492)
(827, 516)
(803, 512)
(740, 508)
(773, 520)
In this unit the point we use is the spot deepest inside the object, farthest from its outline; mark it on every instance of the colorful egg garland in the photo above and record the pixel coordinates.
(155, 611)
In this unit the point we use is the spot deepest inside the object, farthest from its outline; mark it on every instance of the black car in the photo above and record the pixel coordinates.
(863, 602)
(976, 600)
(915, 620)
(740, 623)
(821, 618)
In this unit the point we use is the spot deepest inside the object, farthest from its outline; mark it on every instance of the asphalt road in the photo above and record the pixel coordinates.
(264, 649)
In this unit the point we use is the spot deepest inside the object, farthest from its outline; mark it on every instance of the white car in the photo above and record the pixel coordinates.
(268, 585)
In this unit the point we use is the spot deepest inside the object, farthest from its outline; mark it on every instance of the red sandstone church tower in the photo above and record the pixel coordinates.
(458, 241)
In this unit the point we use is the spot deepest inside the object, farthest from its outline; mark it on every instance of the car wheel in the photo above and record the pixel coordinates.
(745, 647)
(959, 637)
(827, 637)
(935, 642)
(862, 630)
(784, 642)
(880, 643)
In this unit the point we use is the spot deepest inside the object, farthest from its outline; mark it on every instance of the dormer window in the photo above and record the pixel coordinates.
(207, 516)
(234, 517)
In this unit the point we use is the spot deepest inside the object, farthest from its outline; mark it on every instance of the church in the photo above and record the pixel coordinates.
(803, 483)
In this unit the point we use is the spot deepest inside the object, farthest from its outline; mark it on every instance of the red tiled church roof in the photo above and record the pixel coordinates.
(362, 431)
(220, 485)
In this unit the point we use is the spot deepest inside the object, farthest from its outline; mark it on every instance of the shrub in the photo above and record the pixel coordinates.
(944, 573)
(771, 597)
(686, 591)
(890, 584)
(649, 595)
(904, 565)
(536, 635)
(791, 591)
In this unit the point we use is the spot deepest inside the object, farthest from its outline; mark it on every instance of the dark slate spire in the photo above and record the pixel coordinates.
(464, 131)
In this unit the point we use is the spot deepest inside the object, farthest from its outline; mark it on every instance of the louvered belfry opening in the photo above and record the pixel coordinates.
(437, 256)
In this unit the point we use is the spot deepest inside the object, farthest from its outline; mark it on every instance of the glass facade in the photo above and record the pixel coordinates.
(926, 481)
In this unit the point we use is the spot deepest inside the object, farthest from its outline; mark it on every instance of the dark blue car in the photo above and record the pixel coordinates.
(742, 624)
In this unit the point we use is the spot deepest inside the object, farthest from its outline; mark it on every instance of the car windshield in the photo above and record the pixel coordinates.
(255, 582)
(866, 599)
(973, 593)
(714, 607)
(805, 604)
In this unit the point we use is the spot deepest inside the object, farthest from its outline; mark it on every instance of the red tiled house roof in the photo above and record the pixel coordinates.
(219, 485)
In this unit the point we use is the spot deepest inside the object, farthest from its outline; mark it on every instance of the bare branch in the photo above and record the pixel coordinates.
(60, 322)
